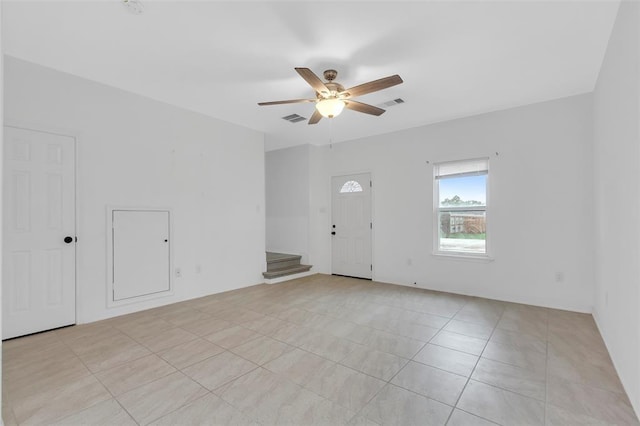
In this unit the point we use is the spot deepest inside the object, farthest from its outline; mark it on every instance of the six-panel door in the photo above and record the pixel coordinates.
(39, 213)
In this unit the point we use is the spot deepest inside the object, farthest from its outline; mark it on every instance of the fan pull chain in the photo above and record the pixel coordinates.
(330, 133)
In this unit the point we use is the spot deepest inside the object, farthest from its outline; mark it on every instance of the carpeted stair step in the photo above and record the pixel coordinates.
(282, 260)
(286, 270)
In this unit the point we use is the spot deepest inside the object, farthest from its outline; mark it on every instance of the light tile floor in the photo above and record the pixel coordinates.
(319, 350)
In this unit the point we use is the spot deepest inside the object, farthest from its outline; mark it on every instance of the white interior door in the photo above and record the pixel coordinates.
(141, 255)
(351, 225)
(38, 281)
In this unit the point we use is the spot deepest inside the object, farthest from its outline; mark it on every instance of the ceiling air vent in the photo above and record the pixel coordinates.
(294, 118)
(133, 6)
(391, 103)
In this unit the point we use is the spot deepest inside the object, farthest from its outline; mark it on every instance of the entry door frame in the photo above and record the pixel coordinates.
(111, 303)
(35, 127)
(373, 216)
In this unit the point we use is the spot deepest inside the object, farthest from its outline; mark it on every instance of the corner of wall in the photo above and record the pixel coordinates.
(319, 210)
(1, 183)
(616, 157)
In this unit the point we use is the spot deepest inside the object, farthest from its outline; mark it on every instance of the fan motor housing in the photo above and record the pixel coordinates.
(334, 88)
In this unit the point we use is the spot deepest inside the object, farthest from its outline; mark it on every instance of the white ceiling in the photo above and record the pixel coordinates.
(221, 58)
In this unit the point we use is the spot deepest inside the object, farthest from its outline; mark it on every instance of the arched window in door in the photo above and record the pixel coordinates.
(351, 186)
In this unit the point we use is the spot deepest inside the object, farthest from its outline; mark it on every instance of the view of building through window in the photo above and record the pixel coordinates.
(462, 208)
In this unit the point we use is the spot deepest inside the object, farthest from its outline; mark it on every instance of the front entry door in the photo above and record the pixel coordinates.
(351, 225)
(38, 282)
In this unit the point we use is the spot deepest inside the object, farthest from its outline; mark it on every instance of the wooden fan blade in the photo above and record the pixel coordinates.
(366, 108)
(291, 101)
(315, 117)
(373, 86)
(313, 80)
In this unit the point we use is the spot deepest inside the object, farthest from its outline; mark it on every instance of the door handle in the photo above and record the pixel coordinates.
(333, 232)
(68, 239)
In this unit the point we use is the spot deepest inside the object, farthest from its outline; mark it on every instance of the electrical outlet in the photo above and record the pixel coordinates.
(198, 269)
(409, 261)
(178, 273)
(559, 277)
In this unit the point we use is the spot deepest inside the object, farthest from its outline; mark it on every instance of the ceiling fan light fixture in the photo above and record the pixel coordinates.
(331, 107)
(331, 97)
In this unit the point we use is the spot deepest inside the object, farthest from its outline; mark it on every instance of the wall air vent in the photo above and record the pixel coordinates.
(391, 103)
(294, 118)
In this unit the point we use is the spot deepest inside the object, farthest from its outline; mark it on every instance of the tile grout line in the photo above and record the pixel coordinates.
(99, 381)
(269, 303)
(474, 368)
(441, 329)
(153, 381)
(382, 329)
(412, 359)
(283, 378)
(182, 406)
(546, 372)
(356, 413)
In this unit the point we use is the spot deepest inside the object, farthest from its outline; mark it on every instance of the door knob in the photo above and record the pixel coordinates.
(68, 240)
(333, 232)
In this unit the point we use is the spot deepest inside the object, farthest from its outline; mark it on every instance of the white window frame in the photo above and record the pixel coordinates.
(437, 209)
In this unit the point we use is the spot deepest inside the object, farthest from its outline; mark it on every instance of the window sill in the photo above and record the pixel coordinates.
(463, 257)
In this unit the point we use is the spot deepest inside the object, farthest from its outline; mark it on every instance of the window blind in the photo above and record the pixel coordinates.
(475, 167)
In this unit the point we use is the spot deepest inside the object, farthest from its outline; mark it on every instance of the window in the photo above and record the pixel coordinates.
(461, 207)
(351, 186)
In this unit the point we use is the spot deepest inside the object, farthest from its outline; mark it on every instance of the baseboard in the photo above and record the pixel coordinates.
(539, 302)
(289, 277)
(635, 403)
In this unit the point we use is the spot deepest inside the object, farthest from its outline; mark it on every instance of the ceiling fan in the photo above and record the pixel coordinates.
(332, 98)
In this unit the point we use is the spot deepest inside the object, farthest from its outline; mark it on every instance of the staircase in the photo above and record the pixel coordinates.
(281, 265)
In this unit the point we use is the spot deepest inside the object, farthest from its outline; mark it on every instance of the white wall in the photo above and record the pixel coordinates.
(540, 206)
(617, 188)
(133, 151)
(297, 204)
(319, 209)
(1, 183)
(287, 206)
